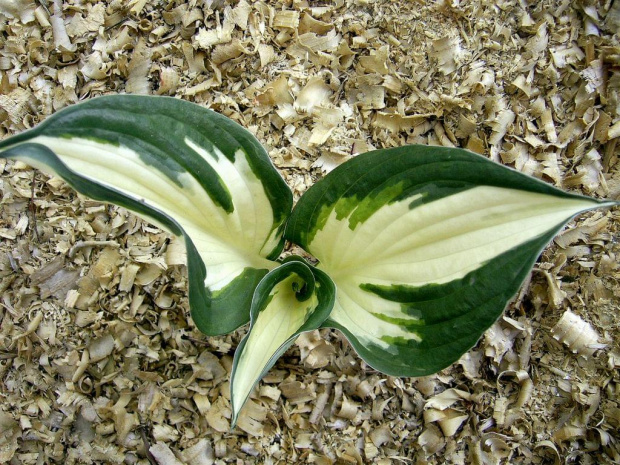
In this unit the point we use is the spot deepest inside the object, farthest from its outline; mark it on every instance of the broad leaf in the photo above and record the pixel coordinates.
(291, 299)
(426, 247)
(185, 168)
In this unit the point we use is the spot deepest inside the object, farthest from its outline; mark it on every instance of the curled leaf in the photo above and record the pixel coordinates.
(291, 299)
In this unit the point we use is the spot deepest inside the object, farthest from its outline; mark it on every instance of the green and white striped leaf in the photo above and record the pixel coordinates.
(291, 299)
(426, 247)
(185, 168)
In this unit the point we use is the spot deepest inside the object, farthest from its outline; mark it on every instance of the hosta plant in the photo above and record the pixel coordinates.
(418, 249)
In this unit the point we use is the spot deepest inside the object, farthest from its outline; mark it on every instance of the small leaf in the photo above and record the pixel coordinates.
(185, 168)
(291, 299)
(426, 247)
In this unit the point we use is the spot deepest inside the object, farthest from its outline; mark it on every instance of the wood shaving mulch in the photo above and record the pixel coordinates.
(99, 360)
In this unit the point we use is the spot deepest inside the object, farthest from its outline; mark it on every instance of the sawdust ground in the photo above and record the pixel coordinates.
(99, 362)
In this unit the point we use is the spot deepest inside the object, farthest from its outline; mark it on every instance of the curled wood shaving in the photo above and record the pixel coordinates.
(576, 334)
(163, 454)
(61, 38)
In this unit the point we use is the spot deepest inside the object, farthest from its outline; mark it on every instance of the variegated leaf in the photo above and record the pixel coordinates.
(185, 168)
(426, 247)
(291, 299)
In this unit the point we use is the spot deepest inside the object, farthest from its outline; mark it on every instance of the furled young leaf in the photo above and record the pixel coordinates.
(189, 170)
(426, 246)
(291, 299)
